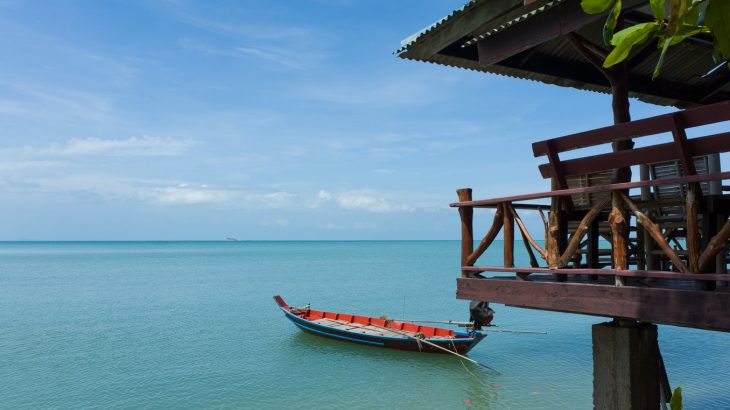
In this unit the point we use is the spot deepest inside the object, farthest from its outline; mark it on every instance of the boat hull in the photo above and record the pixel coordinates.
(461, 342)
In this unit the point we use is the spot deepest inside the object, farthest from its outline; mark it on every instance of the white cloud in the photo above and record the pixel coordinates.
(36, 102)
(134, 146)
(185, 195)
(370, 203)
(363, 200)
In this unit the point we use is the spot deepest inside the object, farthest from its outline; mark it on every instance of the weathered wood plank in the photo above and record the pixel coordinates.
(690, 308)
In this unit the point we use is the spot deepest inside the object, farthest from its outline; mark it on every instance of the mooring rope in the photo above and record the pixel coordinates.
(422, 340)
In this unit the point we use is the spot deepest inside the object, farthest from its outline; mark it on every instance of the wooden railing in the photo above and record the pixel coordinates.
(559, 251)
(615, 206)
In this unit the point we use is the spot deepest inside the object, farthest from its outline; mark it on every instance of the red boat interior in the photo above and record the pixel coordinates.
(427, 331)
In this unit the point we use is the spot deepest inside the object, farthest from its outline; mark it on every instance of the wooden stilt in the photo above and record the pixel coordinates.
(625, 368)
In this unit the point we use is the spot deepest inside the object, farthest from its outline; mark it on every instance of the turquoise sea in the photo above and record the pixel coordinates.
(192, 325)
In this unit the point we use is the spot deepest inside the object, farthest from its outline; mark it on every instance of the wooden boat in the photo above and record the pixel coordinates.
(380, 332)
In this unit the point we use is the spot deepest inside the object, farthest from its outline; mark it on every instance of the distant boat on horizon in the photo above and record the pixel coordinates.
(232, 239)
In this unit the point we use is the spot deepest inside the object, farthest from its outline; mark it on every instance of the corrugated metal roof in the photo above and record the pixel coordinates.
(682, 74)
(413, 38)
(511, 22)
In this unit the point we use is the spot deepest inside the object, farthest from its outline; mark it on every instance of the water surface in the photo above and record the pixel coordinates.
(193, 325)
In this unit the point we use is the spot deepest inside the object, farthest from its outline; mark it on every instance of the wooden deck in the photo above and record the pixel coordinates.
(673, 304)
(650, 256)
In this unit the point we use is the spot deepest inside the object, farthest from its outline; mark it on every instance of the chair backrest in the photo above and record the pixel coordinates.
(681, 150)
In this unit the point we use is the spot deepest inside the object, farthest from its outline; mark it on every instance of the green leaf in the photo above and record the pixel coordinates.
(610, 25)
(595, 6)
(658, 9)
(665, 46)
(675, 403)
(625, 39)
(717, 18)
(686, 31)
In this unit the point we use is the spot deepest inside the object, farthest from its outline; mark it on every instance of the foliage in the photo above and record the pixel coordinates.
(674, 21)
(675, 403)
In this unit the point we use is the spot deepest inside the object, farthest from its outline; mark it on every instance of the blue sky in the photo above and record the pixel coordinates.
(256, 120)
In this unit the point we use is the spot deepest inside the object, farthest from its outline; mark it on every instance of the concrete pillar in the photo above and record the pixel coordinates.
(625, 366)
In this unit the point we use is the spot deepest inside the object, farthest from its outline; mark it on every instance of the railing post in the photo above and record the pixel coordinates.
(693, 230)
(466, 213)
(509, 236)
(553, 238)
(619, 235)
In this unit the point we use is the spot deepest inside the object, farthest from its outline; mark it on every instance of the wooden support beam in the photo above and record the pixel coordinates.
(523, 230)
(684, 152)
(656, 234)
(582, 228)
(467, 227)
(551, 241)
(693, 230)
(488, 238)
(690, 308)
(544, 222)
(556, 168)
(619, 234)
(717, 244)
(508, 227)
(530, 254)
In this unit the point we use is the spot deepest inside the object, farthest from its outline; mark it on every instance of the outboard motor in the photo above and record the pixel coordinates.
(480, 314)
